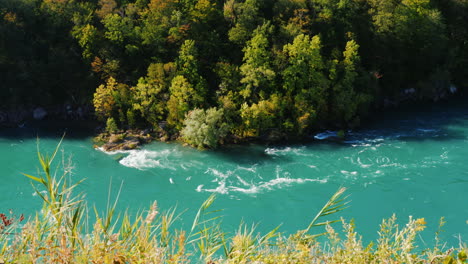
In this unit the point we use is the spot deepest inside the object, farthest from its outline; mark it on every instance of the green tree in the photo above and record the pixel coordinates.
(304, 80)
(118, 29)
(87, 37)
(104, 101)
(257, 70)
(187, 66)
(182, 99)
(410, 35)
(245, 17)
(156, 22)
(293, 18)
(344, 76)
(151, 94)
(259, 117)
(150, 100)
(455, 16)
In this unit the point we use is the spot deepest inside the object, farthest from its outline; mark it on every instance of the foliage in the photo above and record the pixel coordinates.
(347, 97)
(104, 100)
(322, 63)
(183, 98)
(187, 66)
(260, 116)
(305, 81)
(111, 125)
(257, 73)
(204, 128)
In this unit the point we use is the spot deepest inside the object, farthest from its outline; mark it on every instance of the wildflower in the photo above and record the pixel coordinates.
(420, 224)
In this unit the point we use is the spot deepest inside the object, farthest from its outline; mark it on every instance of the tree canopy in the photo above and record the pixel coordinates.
(285, 67)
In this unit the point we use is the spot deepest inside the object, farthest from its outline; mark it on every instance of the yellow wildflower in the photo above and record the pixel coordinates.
(420, 224)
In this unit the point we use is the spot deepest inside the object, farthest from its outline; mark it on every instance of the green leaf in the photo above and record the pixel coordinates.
(334, 205)
(34, 178)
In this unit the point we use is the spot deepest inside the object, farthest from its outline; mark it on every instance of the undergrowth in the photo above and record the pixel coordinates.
(61, 233)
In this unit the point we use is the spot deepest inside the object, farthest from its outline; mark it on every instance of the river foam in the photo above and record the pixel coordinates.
(255, 188)
(147, 159)
(237, 181)
(144, 159)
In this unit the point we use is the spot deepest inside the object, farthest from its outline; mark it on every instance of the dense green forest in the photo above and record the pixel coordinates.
(212, 70)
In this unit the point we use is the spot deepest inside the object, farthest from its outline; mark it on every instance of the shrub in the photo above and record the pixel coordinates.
(204, 128)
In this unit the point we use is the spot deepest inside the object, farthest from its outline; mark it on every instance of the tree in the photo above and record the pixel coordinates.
(87, 37)
(256, 71)
(411, 36)
(293, 18)
(304, 80)
(344, 75)
(182, 99)
(106, 7)
(156, 23)
(118, 29)
(187, 66)
(104, 100)
(204, 128)
(245, 17)
(259, 117)
(151, 94)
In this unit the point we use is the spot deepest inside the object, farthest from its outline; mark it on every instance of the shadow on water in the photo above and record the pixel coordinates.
(437, 122)
(247, 154)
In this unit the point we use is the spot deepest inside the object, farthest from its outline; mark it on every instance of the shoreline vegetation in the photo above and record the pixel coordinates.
(214, 71)
(61, 233)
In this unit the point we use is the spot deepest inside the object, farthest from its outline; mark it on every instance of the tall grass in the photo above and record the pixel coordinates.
(61, 233)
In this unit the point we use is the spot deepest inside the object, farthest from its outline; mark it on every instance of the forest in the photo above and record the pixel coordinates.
(212, 71)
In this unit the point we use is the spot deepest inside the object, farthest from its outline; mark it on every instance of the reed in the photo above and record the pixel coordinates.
(61, 233)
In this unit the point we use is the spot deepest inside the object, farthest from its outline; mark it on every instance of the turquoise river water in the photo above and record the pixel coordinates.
(406, 164)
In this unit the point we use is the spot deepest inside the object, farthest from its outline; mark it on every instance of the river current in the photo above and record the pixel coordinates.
(408, 164)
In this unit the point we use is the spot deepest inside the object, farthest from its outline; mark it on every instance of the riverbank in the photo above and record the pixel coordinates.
(130, 139)
(125, 140)
(67, 118)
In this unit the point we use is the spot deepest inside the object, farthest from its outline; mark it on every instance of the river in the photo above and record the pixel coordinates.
(405, 164)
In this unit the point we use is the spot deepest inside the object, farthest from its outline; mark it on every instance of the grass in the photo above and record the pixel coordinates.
(61, 233)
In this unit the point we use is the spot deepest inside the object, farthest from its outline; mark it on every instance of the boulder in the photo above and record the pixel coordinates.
(116, 138)
(453, 89)
(39, 113)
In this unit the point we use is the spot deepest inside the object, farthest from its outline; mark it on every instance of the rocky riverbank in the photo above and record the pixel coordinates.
(68, 115)
(126, 140)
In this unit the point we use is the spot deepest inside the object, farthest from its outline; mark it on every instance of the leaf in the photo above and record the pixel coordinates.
(34, 178)
(334, 205)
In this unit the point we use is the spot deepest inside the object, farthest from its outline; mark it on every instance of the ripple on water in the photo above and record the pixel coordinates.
(295, 151)
(238, 181)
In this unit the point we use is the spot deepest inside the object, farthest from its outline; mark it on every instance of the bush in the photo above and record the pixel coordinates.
(204, 128)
